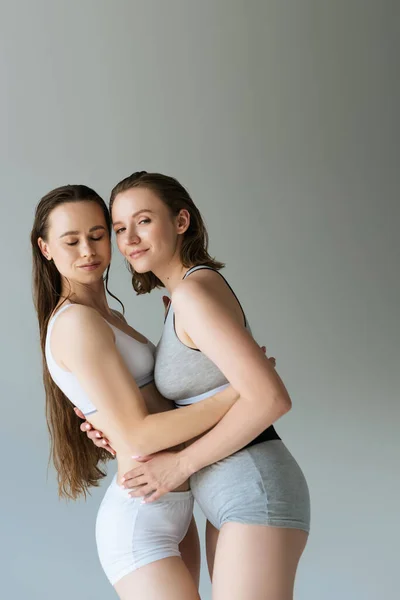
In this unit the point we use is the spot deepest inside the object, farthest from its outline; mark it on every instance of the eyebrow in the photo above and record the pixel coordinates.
(95, 228)
(135, 214)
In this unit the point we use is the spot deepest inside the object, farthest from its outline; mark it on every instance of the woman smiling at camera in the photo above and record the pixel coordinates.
(247, 483)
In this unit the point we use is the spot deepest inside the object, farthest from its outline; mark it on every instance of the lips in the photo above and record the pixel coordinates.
(137, 253)
(90, 266)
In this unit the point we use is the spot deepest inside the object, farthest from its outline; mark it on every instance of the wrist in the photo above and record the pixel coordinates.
(187, 462)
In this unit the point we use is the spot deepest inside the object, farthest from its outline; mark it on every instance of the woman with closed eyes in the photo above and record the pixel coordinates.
(94, 360)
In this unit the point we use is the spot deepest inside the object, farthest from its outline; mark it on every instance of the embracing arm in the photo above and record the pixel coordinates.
(263, 398)
(88, 350)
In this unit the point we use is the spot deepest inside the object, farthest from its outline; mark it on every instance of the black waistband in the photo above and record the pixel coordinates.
(265, 436)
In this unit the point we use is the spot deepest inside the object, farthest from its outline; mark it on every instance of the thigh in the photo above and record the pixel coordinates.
(166, 579)
(212, 534)
(256, 562)
(190, 552)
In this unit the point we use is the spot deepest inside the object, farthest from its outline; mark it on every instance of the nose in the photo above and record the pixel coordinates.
(132, 236)
(87, 248)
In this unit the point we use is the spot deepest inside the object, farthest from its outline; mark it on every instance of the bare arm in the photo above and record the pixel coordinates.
(213, 326)
(87, 348)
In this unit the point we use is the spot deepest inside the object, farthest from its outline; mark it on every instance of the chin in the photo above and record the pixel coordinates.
(90, 280)
(141, 270)
(91, 277)
(140, 266)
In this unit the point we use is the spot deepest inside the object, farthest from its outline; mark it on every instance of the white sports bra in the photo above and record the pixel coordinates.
(138, 357)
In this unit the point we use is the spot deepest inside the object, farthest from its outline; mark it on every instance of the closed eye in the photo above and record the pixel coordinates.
(93, 239)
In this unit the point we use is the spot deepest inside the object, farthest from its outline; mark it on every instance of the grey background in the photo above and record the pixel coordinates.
(281, 117)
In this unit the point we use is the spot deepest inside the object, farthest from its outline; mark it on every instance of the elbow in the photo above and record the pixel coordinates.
(131, 442)
(138, 446)
(283, 403)
(142, 448)
(278, 405)
(140, 443)
(139, 438)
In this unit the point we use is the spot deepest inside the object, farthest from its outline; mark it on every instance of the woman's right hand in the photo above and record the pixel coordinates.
(93, 434)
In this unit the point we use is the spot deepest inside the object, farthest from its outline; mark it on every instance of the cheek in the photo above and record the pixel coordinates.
(66, 253)
(64, 259)
(162, 235)
(106, 250)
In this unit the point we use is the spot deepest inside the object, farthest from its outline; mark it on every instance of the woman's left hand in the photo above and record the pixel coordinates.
(158, 474)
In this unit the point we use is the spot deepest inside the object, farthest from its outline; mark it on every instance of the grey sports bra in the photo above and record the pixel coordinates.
(183, 374)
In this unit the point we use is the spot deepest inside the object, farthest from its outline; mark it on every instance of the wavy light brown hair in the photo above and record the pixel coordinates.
(75, 457)
(194, 248)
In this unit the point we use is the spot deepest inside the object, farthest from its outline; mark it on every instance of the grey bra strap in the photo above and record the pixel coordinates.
(198, 268)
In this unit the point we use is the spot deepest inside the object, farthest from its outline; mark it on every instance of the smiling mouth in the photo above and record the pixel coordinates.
(137, 253)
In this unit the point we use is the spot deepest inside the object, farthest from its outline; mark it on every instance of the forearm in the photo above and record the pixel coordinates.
(242, 424)
(161, 431)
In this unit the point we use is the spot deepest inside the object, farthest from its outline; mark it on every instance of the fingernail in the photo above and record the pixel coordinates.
(98, 435)
(143, 502)
(87, 426)
(104, 442)
(135, 457)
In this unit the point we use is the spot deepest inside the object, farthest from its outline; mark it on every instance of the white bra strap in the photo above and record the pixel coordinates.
(54, 317)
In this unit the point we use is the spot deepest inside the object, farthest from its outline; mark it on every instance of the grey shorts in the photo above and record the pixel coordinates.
(260, 485)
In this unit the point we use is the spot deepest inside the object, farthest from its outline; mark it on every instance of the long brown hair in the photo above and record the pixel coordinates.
(194, 249)
(75, 457)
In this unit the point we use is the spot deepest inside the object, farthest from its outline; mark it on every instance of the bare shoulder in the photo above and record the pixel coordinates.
(80, 323)
(206, 291)
(204, 286)
(201, 284)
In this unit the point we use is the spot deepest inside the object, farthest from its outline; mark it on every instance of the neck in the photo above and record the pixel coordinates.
(172, 274)
(93, 295)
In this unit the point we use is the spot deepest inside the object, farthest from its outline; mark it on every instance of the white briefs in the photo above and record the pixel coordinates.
(130, 534)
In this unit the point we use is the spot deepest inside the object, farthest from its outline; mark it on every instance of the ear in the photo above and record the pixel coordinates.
(183, 221)
(44, 248)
